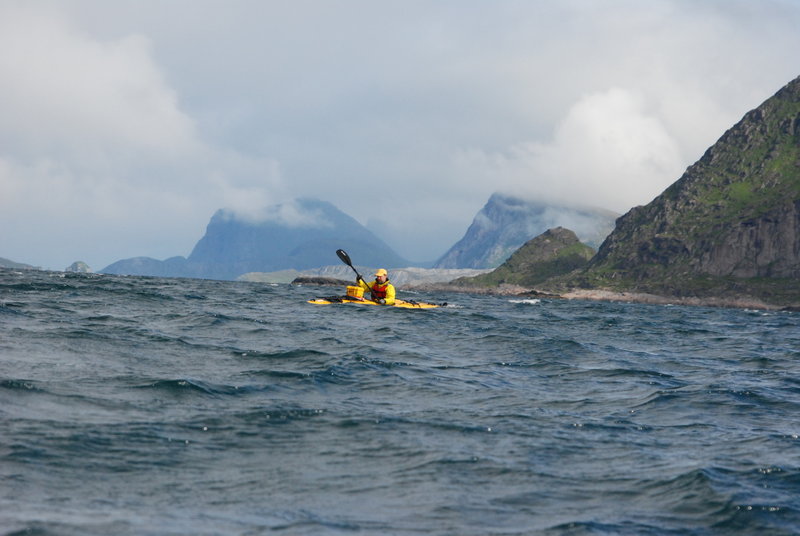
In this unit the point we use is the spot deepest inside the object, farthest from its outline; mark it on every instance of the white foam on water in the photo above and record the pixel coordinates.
(529, 301)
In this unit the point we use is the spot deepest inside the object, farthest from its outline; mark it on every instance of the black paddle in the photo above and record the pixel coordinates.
(346, 259)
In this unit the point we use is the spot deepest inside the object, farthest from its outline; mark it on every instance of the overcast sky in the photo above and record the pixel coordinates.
(125, 125)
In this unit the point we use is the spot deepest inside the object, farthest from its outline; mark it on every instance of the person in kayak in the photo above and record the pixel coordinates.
(382, 291)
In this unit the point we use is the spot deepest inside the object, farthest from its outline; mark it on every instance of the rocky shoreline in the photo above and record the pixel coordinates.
(742, 302)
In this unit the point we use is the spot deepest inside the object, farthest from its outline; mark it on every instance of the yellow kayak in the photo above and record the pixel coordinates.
(397, 303)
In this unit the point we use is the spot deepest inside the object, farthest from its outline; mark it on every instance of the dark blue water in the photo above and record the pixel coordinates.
(166, 406)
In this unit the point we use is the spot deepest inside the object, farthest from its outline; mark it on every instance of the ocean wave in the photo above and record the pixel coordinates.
(11, 308)
(122, 397)
(282, 355)
(20, 385)
(183, 386)
(527, 301)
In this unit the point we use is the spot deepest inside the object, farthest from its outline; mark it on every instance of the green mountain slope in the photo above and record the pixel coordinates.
(730, 224)
(554, 252)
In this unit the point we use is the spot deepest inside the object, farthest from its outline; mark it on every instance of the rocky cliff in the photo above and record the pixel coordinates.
(732, 221)
(506, 222)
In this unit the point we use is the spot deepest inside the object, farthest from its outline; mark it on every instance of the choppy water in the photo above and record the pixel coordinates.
(166, 406)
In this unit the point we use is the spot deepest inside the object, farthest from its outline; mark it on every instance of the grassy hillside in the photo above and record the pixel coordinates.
(554, 252)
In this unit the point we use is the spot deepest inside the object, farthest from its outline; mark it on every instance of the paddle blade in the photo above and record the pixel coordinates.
(344, 256)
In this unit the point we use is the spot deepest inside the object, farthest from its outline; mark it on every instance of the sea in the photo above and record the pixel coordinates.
(150, 406)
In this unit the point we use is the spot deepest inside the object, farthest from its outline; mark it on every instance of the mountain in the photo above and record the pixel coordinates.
(555, 252)
(6, 263)
(506, 222)
(730, 224)
(298, 235)
(172, 267)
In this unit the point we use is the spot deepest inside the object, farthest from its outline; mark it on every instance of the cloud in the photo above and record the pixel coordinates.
(608, 152)
(292, 213)
(125, 126)
(97, 159)
(68, 95)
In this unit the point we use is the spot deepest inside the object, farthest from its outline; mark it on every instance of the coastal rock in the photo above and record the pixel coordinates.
(763, 246)
(78, 267)
(322, 281)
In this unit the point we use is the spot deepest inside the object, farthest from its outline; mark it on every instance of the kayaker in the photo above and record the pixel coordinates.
(382, 291)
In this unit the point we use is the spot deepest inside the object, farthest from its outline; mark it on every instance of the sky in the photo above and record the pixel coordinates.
(125, 125)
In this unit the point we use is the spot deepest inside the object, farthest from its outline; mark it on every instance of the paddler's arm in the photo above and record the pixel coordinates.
(390, 293)
(363, 284)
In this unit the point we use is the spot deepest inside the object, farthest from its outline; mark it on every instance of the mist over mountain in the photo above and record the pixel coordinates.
(730, 224)
(302, 234)
(507, 222)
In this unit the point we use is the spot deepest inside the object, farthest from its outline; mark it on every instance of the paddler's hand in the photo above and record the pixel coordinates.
(382, 301)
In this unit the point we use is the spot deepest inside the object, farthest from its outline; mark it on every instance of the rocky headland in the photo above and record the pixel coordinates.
(726, 233)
